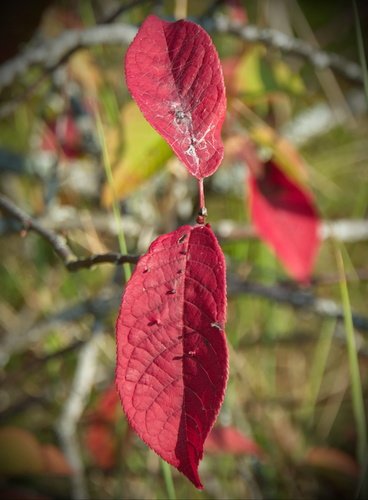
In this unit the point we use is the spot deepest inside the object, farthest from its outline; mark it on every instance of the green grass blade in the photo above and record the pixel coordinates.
(168, 480)
(115, 207)
(356, 384)
(317, 371)
(361, 51)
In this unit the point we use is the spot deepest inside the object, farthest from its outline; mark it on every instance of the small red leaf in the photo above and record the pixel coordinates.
(172, 360)
(174, 74)
(285, 217)
(231, 440)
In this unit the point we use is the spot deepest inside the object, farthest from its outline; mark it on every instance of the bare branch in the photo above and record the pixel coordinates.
(347, 230)
(297, 298)
(290, 45)
(59, 243)
(54, 52)
(102, 258)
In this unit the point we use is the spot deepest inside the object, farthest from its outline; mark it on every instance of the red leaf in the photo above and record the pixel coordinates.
(285, 217)
(99, 436)
(333, 459)
(231, 440)
(63, 136)
(55, 461)
(174, 74)
(101, 444)
(105, 410)
(172, 360)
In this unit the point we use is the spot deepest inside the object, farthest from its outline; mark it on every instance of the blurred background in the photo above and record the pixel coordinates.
(77, 156)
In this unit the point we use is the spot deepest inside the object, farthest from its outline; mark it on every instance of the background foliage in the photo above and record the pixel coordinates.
(62, 129)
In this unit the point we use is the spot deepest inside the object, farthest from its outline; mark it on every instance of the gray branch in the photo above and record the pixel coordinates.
(290, 45)
(59, 243)
(295, 297)
(108, 300)
(346, 230)
(51, 53)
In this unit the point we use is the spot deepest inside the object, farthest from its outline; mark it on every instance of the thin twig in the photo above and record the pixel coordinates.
(297, 298)
(109, 18)
(29, 224)
(59, 243)
(102, 258)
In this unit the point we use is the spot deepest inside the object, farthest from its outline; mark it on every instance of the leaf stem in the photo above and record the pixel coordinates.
(363, 60)
(202, 204)
(117, 216)
(356, 384)
(202, 213)
(168, 480)
(181, 9)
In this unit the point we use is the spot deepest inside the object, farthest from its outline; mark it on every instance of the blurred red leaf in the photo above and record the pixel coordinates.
(63, 135)
(20, 452)
(99, 436)
(286, 218)
(231, 440)
(101, 444)
(333, 459)
(229, 66)
(19, 493)
(105, 409)
(172, 360)
(174, 74)
(55, 461)
(237, 11)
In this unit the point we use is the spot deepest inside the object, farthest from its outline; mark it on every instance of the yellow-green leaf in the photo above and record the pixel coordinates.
(258, 76)
(141, 153)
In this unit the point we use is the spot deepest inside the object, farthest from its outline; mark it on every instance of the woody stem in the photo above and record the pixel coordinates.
(202, 206)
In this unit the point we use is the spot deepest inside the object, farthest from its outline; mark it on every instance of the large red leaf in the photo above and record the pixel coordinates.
(285, 217)
(174, 74)
(172, 360)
